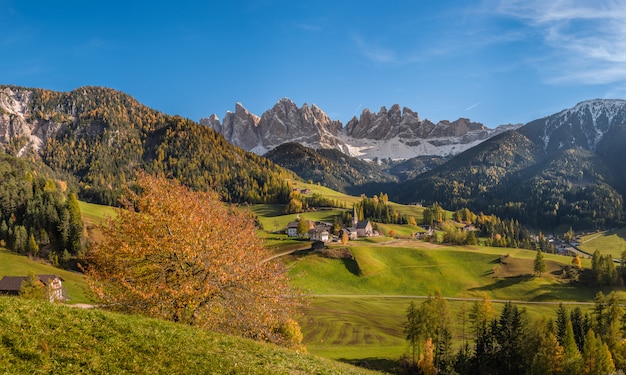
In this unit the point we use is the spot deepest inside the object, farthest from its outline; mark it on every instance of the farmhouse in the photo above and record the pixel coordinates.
(292, 229)
(11, 285)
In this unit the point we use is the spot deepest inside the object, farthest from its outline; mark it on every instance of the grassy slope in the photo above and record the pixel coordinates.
(358, 307)
(93, 215)
(46, 338)
(610, 242)
(421, 269)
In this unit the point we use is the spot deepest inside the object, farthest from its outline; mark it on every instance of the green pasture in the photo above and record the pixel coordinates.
(609, 242)
(12, 264)
(358, 306)
(397, 230)
(272, 219)
(355, 329)
(391, 269)
(348, 200)
(95, 213)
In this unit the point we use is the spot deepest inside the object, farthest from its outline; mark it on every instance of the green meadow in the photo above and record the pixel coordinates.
(608, 242)
(44, 338)
(357, 306)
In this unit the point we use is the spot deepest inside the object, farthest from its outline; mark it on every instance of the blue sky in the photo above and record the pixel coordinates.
(493, 61)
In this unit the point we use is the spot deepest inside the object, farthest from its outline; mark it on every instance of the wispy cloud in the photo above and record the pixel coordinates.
(586, 37)
(375, 52)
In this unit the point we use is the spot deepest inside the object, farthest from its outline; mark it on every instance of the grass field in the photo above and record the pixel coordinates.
(93, 215)
(47, 338)
(610, 242)
(358, 306)
(356, 329)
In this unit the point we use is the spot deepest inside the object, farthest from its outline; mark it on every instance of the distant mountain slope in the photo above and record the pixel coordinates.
(101, 136)
(395, 133)
(329, 167)
(559, 170)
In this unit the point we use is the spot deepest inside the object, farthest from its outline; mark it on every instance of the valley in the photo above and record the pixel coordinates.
(475, 225)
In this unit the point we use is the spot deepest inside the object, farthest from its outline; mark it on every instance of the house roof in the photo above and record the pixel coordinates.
(292, 224)
(14, 283)
(362, 224)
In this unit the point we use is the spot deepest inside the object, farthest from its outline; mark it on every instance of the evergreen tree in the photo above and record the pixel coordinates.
(573, 359)
(596, 355)
(511, 329)
(412, 330)
(562, 318)
(550, 358)
(75, 224)
(540, 263)
(580, 326)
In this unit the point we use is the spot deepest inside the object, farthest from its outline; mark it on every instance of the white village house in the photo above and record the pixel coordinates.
(11, 285)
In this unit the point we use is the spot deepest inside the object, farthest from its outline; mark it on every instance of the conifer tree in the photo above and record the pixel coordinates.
(573, 359)
(596, 355)
(549, 359)
(540, 263)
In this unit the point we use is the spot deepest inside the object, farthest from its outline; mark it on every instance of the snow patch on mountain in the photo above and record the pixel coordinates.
(585, 124)
(395, 133)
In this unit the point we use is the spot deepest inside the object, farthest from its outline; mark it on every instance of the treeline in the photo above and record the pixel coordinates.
(511, 343)
(603, 271)
(377, 209)
(301, 203)
(38, 215)
(106, 135)
(496, 231)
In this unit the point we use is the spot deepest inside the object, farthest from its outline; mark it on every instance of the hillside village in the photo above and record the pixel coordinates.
(323, 231)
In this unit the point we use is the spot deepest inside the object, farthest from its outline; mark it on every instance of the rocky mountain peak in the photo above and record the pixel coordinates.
(584, 125)
(396, 132)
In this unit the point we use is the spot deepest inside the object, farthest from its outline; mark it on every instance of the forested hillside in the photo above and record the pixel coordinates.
(101, 136)
(329, 167)
(513, 176)
(39, 216)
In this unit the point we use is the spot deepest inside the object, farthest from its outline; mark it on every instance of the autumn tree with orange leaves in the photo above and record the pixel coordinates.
(185, 256)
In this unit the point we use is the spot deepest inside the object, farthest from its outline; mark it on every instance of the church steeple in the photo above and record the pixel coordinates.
(355, 217)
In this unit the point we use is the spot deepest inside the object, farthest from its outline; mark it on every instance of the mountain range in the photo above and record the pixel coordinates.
(389, 134)
(563, 169)
(558, 171)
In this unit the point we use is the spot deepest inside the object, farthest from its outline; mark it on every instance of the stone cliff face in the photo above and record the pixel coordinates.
(285, 122)
(395, 133)
(18, 121)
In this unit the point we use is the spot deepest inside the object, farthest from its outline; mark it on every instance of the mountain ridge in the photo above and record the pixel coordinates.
(560, 170)
(395, 133)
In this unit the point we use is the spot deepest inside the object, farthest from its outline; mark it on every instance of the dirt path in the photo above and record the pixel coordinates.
(469, 299)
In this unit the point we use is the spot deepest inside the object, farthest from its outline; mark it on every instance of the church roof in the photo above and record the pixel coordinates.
(362, 224)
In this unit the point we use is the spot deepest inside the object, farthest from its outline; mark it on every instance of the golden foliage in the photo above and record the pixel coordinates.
(181, 255)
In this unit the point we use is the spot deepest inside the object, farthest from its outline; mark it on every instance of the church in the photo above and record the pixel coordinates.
(361, 228)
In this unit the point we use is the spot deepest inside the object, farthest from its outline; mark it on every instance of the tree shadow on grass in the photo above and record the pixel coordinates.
(352, 266)
(503, 283)
(377, 364)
